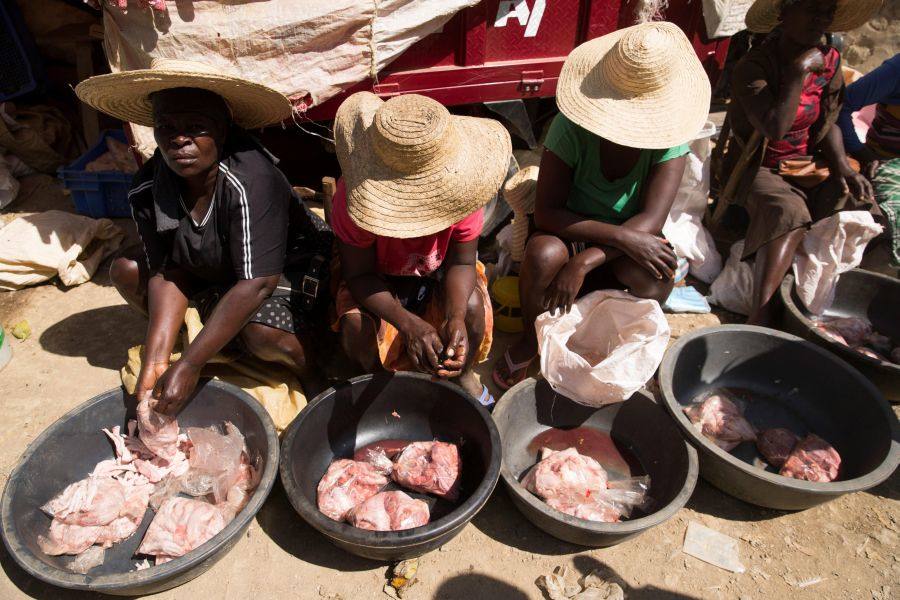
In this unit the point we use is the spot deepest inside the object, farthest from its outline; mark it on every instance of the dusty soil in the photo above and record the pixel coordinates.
(845, 549)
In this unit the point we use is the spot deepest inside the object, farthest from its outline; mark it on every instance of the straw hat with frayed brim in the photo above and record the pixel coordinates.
(126, 95)
(641, 87)
(413, 169)
(765, 15)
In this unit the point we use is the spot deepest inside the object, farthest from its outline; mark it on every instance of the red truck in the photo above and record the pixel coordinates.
(514, 49)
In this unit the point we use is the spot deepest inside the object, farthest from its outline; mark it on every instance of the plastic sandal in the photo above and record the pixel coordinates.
(486, 399)
(511, 368)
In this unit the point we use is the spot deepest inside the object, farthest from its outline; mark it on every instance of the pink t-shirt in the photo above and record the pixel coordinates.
(419, 256)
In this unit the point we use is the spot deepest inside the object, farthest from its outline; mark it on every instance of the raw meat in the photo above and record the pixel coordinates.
(852, 329)
(879, 343)
(577, 485)
(93, 501)
(895, 355)
(776, 445)
(429, 467)
(158, 432)
(720, 420)
(813, 459)
(181, 525)
(390, 511)
(346, 484)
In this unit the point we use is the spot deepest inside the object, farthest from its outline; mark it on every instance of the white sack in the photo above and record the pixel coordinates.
(733, 288)
(36, 248)
(605, 349)
(724, 18)
(684, 225)
(833, 246)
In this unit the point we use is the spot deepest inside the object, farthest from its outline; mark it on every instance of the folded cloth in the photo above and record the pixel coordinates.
(35, 248)
(686, 300)
(274, 386)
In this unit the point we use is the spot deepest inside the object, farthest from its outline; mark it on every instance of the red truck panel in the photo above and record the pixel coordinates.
(511, 49)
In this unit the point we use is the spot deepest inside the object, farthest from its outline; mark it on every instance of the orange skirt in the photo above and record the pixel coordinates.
(391, 346)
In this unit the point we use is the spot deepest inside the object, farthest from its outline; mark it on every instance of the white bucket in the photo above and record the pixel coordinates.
(5, 350)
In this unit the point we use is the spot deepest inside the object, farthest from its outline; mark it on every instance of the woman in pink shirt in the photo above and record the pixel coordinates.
(407, 215)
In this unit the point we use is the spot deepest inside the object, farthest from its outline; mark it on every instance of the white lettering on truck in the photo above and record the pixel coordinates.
(529, 19)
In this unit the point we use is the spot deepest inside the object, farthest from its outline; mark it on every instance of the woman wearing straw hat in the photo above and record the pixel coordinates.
(629, 102)
(407, 215)
(216, 221)
(787, 95)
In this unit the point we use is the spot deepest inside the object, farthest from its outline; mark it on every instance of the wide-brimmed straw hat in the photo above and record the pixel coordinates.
(642, 87)
(765, 15)
(126, 95)
(413, 169)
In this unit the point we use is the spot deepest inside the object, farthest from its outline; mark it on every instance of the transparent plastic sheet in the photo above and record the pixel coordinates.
(216, 455)
(87, 560)
(379, 459)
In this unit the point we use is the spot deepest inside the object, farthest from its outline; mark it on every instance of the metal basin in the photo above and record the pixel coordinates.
(861, 294)
(799, 386)
(68, 450)
(640, 425)
(405, 406)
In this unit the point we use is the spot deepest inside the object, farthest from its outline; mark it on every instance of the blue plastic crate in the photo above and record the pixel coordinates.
(100, 194)
(22, 71)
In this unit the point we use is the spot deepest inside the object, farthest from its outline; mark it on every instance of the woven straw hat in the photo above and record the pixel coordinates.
(413, 169)
(126, 95)
(642, 87)
(519, 192)
(765, 15)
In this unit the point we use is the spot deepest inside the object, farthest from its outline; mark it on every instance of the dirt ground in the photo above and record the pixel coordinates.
(845, 549)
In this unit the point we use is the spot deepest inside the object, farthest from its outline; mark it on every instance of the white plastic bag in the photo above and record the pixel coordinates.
(684, 225)
(733, 288)
(833, 246)
(603, 351)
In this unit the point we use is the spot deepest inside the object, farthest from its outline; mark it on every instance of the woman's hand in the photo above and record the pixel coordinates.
(457, 348)
(148, 376)
(856, 184)
(649, 251)
(565, 286)
(811, 61)
(423, 345)
(175, 386)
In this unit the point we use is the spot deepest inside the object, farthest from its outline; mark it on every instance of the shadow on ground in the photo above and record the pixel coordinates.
(38, 589)
(712, 501)
(280, 522)
(476, 585)
(101, 335)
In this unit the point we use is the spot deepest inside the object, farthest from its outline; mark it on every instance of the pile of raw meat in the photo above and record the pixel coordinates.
(578, 485)
(351, 489)
(212, 469)
(859, 335)
(721, 421)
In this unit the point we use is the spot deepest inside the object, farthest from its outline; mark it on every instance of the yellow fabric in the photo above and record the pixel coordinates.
(274, 386)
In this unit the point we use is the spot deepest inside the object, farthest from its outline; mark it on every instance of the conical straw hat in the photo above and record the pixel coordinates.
(765, 15)
(413, 169)
(126, 95)
(641, 87)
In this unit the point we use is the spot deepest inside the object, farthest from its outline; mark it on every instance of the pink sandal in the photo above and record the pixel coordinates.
(512, 368)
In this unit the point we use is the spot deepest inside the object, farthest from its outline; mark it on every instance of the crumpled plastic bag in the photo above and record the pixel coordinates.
(833, 246)
(733, 288)
(216, 455)
(605, 349)
(684, 225)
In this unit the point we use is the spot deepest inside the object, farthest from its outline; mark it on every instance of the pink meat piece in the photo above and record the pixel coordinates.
(390, 511)
(720, 420)
(866, 351)
(158, 432)
(181, 525)
(67, 539)
(93, 501)
(879, 343)
(429, 467)
(813, 459)
(123, 454)
(346, 484)
(776, 445)
(852, 329)
(566, 480)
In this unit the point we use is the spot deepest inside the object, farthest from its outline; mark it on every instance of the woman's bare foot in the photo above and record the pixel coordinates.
(513, 366)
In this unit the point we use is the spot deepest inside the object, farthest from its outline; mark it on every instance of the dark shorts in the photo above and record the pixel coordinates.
(283, 310)
(777, 207)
